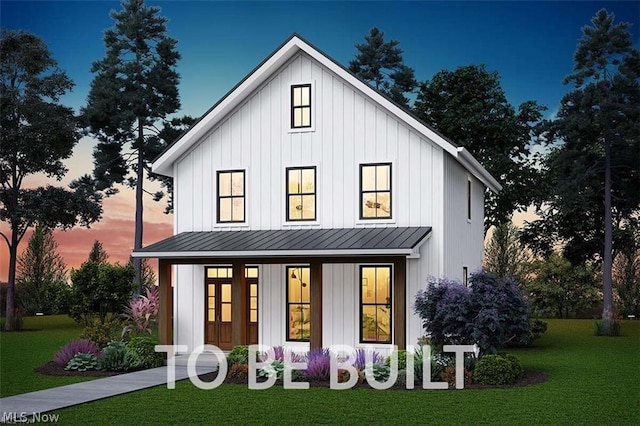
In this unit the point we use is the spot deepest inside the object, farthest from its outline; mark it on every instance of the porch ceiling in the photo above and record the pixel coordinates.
(400, 241)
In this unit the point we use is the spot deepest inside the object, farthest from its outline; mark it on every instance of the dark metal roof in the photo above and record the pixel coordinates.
(287, 242)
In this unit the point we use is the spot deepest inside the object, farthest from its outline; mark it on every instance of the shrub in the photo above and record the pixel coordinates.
(82, 362)
(238, 355)
(68, 351)
(100, 290)
(280, 353)
(363, 354)
(140, 353)
(238, 372)
(101, 333)
(449, 375)
(490, 313)
(318, 365)
(516, 365)
(141, 314)
(380, 372)
(497, 370)
(402, 360)
(113, 357)
(276, 368)
(538, 328)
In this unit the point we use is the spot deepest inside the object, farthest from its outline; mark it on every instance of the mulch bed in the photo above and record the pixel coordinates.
(531, 377)
(53, 369)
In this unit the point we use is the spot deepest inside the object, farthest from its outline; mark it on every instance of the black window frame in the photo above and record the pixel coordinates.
(389, 305)
(362, 191)
(231, 196)
(289, 269)
(301, 107)
(288, 195)
(468, 199)
(465, 276)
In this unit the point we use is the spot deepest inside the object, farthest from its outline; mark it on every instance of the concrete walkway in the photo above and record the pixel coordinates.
(93, 390)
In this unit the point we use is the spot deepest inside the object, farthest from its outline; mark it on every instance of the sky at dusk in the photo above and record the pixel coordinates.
(530, 44)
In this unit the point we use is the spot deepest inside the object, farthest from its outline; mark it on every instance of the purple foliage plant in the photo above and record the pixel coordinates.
(142, 313)
(74, 347)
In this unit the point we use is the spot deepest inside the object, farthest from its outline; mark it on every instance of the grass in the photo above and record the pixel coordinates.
(592, 380)
(22, 351)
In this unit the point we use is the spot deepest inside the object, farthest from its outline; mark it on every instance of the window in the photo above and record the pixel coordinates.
(375, 189)
(301, 193)
(252, 272)
(300, 106)
(468, 199)
(465, 276)
(375, 304)
(298, 303)
(231, 203)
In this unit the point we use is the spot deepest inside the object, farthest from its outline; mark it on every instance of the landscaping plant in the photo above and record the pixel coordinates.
(68, 351)
(83, 362)
(113, 357)
(140, 353)
(141, 314)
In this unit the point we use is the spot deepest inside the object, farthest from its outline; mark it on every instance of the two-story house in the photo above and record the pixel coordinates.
(308, 211)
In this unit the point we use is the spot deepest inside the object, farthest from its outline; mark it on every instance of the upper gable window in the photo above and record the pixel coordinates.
(301, 193)
(301, 106)
(231, 192)
(469, 199)
(375, 191)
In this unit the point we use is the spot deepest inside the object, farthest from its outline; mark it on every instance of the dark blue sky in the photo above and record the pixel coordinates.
(530, 44)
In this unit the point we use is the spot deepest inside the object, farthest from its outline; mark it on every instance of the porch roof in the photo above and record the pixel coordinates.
(398, 241)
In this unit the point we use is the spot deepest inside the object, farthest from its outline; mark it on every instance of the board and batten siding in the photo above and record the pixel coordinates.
(464, 242)
(349, 129)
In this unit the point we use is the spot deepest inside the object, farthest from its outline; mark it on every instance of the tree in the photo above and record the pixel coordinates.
(626, 279)
(36, 134)
(505, 256)
(42, 275)
(561, 289)
(100, 291)
(469, 106)
(380, 64)
(135, 86)
(97, 253)
(594, 167)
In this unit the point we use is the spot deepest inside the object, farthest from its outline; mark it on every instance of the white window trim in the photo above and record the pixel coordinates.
(394, 195)
(295, 224)
(245, 223)
(312, 128)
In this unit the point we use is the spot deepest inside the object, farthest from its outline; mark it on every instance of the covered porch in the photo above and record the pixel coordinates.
(235, 250)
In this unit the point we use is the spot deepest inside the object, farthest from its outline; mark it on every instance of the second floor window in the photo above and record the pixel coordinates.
(375, 191)
(231, 192)
(300, 106)
(301, 193)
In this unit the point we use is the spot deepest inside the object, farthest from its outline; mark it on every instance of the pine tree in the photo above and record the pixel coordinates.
(595, 169)
(135, 86)
(42, 274)
(380, 64)
(98, 254)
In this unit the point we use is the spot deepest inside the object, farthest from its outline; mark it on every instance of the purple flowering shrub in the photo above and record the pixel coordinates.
(318, 365)
(361, 358)
(68, 351)
(490, 313)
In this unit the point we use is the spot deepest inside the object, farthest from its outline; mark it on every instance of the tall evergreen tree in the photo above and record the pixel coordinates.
(98, 254)
(469, 106)
(505, 255)
(36, 134)
(42, 274)
(380, 64)
(135, 86)
(593, 172)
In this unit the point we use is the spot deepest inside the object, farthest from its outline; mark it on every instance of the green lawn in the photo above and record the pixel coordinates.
(21, 352)
(592, 380)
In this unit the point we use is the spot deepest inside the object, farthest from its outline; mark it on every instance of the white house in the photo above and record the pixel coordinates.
(309, 210)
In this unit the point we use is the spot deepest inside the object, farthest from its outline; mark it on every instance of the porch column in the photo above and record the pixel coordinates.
(315, 296)
(165, 310)
(238, 305)
(399, 302)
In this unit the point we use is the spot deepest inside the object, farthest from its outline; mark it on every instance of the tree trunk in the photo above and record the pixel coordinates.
(607, 303)
(10, 322)
(137, 262)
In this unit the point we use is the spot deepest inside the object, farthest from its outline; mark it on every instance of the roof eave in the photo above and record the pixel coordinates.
(409, 252)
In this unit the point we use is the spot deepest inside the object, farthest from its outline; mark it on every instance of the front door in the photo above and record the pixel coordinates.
(218, 324)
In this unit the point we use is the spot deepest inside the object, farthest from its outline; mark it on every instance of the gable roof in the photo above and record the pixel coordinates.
(164, 163)
(401, 241)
